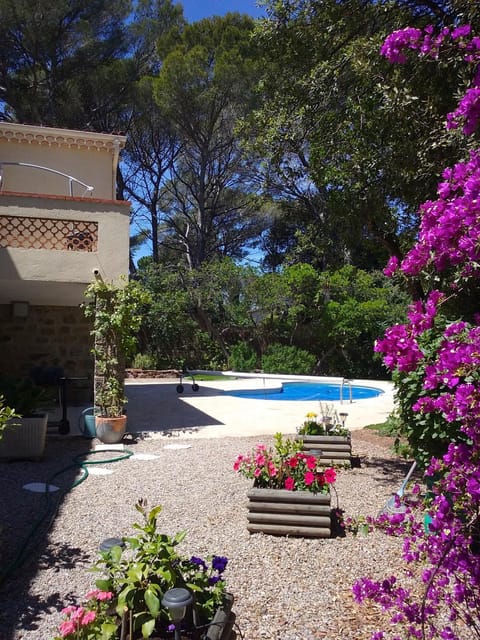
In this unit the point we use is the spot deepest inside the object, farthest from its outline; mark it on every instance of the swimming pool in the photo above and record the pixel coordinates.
(308, 391)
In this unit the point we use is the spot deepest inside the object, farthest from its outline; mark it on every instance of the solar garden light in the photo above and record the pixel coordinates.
(343, 418)
(107, 544)
(176, 601)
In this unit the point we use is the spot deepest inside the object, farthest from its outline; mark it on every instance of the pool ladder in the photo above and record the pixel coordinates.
(346, 383)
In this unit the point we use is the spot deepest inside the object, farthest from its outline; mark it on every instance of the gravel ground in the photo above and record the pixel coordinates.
(284, 588)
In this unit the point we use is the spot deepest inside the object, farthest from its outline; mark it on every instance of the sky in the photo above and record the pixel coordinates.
(197, 9)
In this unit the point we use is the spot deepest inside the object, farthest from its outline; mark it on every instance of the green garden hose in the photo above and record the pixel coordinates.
(50, 510)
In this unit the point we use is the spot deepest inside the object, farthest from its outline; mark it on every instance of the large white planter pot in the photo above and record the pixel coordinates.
(24, 438)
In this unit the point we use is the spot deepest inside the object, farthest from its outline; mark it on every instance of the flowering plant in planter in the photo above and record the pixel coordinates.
(137, 573)
(285, 467)
(328, 425)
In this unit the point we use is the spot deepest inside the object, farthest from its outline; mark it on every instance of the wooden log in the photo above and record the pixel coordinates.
(286, 507)
(323, 439)
(282, 495)
(290, 530)
(328, 446)
(292, 519)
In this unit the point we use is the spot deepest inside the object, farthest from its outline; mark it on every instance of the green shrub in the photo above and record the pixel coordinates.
(6, 414)
(279, 358)
(144, 361)
(242, 357)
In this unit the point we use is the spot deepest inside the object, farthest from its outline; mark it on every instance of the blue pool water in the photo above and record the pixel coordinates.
(308, 391)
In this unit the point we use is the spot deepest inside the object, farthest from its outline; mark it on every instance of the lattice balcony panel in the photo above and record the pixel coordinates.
(47, 233)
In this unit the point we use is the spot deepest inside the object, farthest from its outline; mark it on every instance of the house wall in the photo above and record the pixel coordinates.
(49, 336)
(54, 241)
(91, 158)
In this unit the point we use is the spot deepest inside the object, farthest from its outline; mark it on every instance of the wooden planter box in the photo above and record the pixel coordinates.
(24, 438)
(223, 622)
(329, 450)
(289, 513)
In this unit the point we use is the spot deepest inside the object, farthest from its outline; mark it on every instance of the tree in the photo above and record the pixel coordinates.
(203, 87)
(64, 63)
(337, 122)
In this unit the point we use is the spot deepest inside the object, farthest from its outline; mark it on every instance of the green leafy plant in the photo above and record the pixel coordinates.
(242, 357)
(144, 361)
(117, 316)
(285, 466)
(279, 358)
(6, 414)
(147, 565)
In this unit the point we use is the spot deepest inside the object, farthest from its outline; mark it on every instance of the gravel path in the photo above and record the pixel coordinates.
(284, 588)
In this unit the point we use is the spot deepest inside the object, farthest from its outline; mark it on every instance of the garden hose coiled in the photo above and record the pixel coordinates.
(44, 521)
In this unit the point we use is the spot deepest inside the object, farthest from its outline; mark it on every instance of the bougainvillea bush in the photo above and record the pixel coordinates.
(435, 360)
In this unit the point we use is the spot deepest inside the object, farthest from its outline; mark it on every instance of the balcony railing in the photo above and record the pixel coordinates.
(71, 179)
(46, 233)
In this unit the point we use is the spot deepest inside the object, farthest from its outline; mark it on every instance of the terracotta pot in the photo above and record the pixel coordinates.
(110, 430)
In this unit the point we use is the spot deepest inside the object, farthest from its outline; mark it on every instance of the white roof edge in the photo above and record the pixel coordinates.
(52, 136)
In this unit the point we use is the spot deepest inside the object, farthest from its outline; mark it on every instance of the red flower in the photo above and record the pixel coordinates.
(311, 462)
(330, 475)
(309, 478)
(290, 484)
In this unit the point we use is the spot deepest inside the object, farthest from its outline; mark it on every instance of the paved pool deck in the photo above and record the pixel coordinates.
(155, 406)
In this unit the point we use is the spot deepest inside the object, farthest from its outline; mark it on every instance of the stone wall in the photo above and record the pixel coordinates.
(48, 337)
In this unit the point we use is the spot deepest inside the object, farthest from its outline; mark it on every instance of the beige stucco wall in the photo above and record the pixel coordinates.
(59, 277)
(91, 158)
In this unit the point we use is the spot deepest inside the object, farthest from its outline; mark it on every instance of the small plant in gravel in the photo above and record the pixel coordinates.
(285, 466)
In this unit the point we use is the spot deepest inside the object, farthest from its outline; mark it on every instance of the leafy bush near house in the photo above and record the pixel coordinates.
(279, 358)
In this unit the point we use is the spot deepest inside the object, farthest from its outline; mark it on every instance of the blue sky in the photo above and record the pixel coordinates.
(197, 9)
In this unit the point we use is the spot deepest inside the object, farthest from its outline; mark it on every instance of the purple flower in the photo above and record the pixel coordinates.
(219, 563)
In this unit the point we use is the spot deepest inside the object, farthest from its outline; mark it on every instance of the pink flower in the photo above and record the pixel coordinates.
(88, 617)
(290, 484)
(257, 472)
(330, 475)
(67, 627)
(260, 459)
(309, 478)
(272, 469)
(311, 462)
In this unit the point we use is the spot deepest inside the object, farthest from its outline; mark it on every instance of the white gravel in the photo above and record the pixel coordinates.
(284, 588)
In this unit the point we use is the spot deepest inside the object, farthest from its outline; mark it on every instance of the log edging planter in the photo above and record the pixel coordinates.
(221, 627)
(292, 513)
(329, 450)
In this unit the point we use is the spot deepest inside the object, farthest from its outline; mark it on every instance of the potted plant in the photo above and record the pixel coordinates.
(327, 438)
(136, 594)
(116, 314)
(24, 434)
(291, 492)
